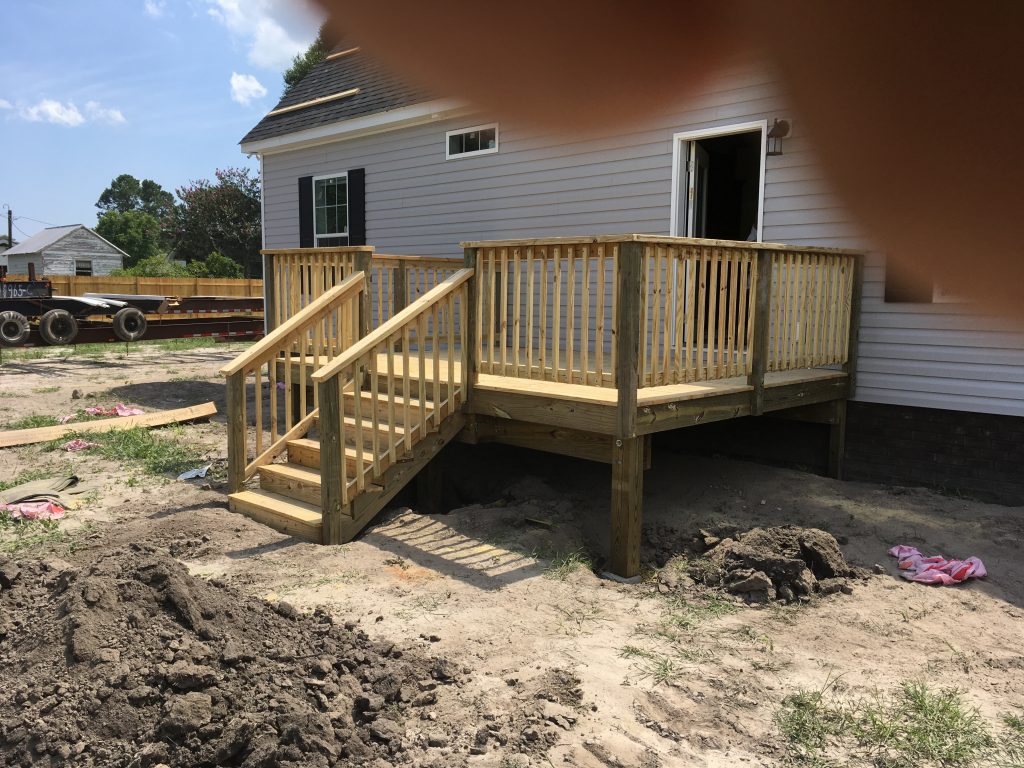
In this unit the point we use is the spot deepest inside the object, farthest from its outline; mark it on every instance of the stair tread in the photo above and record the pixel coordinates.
(295, 471)
(306, 442)
(280, 505)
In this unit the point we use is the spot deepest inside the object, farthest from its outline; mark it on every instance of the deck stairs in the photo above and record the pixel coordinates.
(397, 411)
(288, 497)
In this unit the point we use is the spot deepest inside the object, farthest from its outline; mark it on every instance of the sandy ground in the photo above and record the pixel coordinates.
(678, 679)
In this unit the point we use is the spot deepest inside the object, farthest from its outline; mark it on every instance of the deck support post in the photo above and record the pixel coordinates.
(330, 459)
(236, 431)
(430, 488)
(837, 439)
(470, 348)
(627, 505)
(269, 293)
(627, 448)
(762, 325)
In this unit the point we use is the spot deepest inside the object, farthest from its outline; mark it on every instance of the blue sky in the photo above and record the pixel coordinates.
(160, 89)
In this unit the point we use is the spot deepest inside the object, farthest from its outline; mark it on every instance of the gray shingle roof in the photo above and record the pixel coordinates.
(42, 239)
(379, 91)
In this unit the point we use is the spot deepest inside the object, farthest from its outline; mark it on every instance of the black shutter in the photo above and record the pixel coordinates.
(357, 206)
(306, 212)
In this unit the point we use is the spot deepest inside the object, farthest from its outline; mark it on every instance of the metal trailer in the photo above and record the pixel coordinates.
(30, 315)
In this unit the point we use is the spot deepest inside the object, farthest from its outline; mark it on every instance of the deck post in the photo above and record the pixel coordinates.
(269, 293)
(837, 439)
(236, 430)
(627, 448)
(470, 347)
(362, 264)
(762, 325)
(329, 426)
(400, 288)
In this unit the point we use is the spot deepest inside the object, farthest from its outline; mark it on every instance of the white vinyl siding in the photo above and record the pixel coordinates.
(542, 184)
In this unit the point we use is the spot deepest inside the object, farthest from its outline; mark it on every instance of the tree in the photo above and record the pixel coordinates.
(304, 62)
(216, 265)
(137, 233)
(126, 193)
(222, 217)
(154, 266)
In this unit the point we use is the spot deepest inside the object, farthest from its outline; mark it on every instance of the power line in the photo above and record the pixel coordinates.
(37, 221)
(22, 231)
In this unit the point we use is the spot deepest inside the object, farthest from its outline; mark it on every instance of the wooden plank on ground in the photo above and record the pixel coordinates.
(157, 419)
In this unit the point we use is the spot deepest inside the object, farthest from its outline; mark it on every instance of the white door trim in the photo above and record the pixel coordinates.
(707, 133)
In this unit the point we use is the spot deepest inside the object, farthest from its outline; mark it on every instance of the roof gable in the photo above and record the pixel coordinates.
(379, 91)
(50, 236)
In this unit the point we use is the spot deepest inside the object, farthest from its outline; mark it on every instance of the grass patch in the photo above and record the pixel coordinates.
(115, 348)
(690, 615)
(19, 538)
(910, 726)
(562, 566)
(33, 421)
(154, 453)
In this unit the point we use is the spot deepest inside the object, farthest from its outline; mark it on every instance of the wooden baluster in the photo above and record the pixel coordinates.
(740, 364)
(451, 354)
(689, 328)
(556, 311)
(615, 255)
(529, 311)
(389, 350)
(585, 315)
(503, 324)
(543, 335)
(733, 288)
(375, 411)
(421, 329)
(517, 310)
(357, 426)
(570, 315)
(492, 300)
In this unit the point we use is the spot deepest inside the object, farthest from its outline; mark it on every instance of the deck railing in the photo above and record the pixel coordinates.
(282, 366)
(406, 386)
(553, 309)
(294, 277)
(546, 311)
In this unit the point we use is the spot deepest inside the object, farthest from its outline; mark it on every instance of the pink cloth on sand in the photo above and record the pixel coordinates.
(936, 569)
(34, 510)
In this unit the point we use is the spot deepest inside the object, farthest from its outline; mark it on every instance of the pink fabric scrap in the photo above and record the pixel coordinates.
(78, 444)
(34, 510)
(936, 569)
(117, 410)
(67, 417)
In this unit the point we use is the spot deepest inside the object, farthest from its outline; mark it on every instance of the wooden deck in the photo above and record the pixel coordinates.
(583, 347)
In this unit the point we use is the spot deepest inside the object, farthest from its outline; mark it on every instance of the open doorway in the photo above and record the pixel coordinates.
(718, 182)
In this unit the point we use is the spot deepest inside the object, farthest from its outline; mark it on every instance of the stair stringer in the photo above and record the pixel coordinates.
(364, 507)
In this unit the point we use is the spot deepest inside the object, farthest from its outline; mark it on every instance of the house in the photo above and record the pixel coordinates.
(69, 250)
(354, 156)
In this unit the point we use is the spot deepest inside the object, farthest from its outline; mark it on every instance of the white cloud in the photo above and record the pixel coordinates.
(245, 88)
(274, 30)
(155, 8)
(50, 111)
(66, 113)
(5, 104)
(99, 113)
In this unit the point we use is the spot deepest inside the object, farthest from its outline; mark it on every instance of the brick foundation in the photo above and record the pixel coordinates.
(974, 454)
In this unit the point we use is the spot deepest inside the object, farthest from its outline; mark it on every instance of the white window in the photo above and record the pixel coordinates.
(467, 142)
(330, 208)
(83, 268)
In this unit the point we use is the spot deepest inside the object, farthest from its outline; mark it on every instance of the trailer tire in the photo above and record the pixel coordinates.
(129, 324)
(58, 326)
(14, 329)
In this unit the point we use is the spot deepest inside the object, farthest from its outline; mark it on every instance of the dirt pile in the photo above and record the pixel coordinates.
(787, 563)
(131, 661)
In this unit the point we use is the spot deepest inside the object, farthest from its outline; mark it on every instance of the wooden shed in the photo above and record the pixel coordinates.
(69, 250)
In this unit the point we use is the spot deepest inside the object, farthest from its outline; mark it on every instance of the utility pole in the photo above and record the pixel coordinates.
(10, 228)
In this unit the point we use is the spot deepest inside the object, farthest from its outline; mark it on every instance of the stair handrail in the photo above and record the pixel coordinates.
(358, 364)
(294, 335)
(265, 348)
(382, 332)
